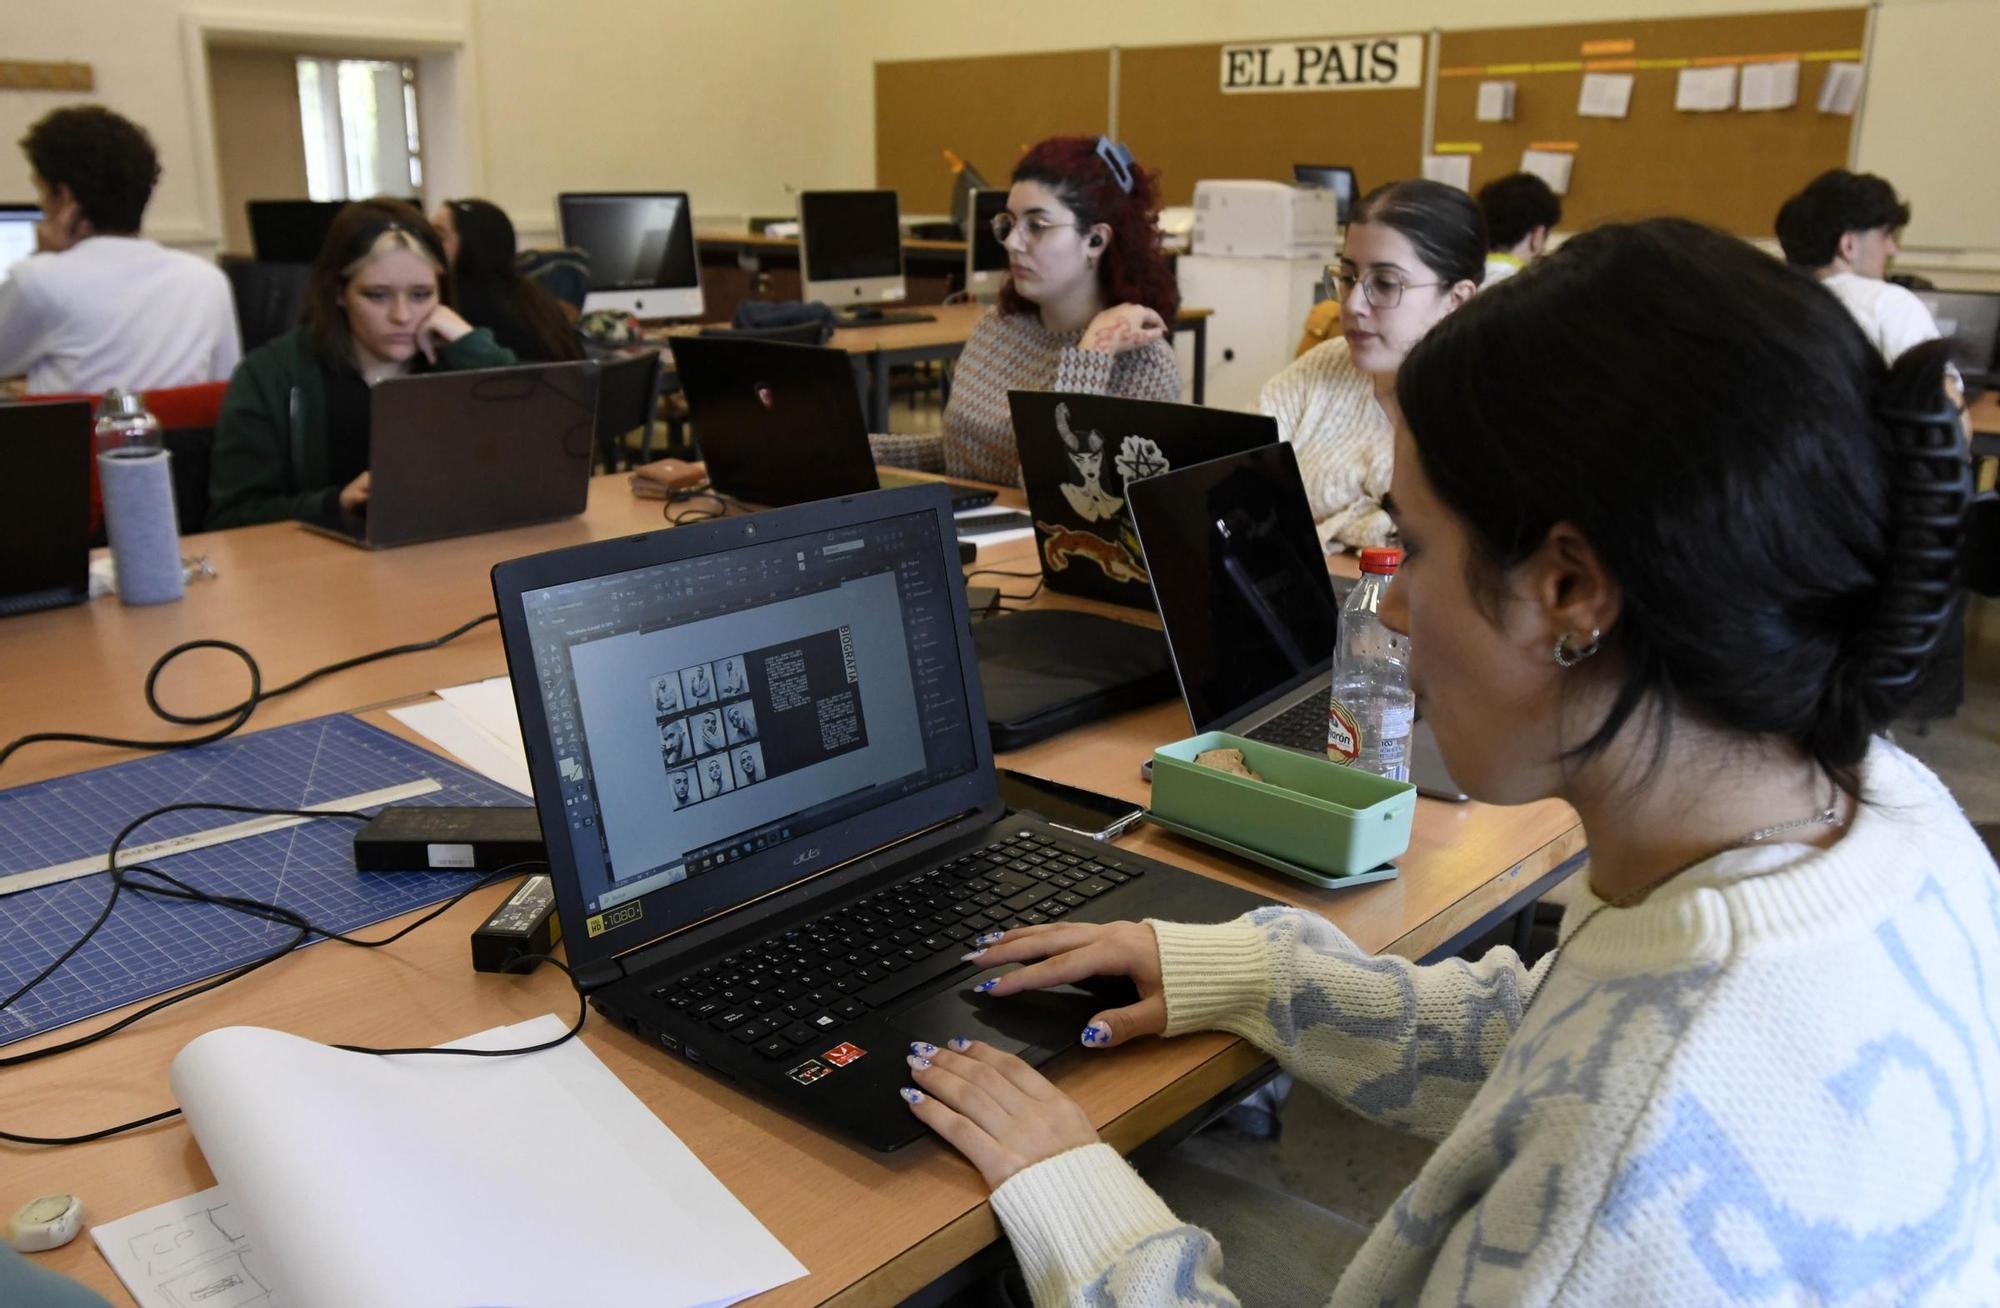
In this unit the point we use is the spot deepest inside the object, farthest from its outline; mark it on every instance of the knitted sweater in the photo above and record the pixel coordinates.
(1326, 408)
(1014, 352)
(1777, 1080)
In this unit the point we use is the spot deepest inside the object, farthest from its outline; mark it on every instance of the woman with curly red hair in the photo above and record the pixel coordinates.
(1086, 308)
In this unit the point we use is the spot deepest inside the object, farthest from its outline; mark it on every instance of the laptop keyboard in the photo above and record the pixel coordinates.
(793, 988)
(1302, 726)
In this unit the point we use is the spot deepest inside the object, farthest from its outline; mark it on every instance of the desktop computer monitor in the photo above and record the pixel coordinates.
(1329, 177)
(641, 247)
(1970, 320)
(985, 258)
(851, 247)
(290, 231)
(17, 233)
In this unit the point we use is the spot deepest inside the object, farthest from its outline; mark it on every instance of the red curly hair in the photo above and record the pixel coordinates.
(1132, 271)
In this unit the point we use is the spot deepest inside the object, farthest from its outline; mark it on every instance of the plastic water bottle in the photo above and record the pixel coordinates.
(1369, 718)
(124, 423)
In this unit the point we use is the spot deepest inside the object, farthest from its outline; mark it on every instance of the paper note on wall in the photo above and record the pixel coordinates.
(1552, 166)
(1706, 90)
(1496, 102)
(1451, 169)
(1841, 91)
(1770, 86)
(1605, 95)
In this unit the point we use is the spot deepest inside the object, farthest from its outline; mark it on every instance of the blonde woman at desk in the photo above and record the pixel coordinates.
(1414, 252)
(1761, 1062)
(1088, 306)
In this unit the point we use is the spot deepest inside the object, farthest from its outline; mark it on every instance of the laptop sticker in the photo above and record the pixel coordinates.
(809, 1071)
(844, 1053)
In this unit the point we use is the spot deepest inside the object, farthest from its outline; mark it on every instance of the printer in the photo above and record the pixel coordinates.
(1264, 220)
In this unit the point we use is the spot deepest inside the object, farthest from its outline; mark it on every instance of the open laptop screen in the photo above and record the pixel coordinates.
(725, 723)
(1240, 579)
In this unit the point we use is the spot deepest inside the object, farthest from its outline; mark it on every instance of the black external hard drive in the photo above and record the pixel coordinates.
(415, 838)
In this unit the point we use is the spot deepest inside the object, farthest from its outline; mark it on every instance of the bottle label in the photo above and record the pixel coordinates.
(1343, 734)
(1397, 721)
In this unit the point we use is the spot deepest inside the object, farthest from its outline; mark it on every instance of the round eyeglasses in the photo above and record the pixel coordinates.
(1036, 228)
(1380, 287)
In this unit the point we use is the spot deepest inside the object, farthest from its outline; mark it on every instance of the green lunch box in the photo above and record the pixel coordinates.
(1312, 812)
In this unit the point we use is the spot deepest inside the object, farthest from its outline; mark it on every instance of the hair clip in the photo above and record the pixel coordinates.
(1119, 160)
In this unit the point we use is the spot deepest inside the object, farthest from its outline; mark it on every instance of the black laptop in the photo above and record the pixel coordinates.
(457, 453)
(1078, 455)
(1252, 617)
(45, 523)
(761, 764)
(781, 424)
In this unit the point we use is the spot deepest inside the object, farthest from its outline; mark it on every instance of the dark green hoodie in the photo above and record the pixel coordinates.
(270, 457)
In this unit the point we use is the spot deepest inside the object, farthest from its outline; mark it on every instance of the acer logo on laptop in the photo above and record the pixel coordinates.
(807, 857)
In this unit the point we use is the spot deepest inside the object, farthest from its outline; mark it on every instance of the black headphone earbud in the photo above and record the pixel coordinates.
(1096, 241)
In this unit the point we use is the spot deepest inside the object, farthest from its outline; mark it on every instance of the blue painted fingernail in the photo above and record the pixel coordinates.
(911, 1095)
(1097, 1033)
(991, 937)
(959, 1042)
(987, 984)
(967, 958)
(918, 1064)
(924, 1047)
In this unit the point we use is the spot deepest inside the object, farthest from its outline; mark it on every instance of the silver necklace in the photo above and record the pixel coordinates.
(1826, 817)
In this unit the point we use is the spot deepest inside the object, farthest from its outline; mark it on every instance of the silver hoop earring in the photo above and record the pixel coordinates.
(1569, 658)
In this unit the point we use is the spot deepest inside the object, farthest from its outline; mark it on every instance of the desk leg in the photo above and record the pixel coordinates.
(1201, 360)
(878, 403)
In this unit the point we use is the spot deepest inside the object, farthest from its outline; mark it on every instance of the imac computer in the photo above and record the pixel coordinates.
(641, 248)
(985, 257)
(851, 247)
(1329, 177)
(17, 234)
(290, 231)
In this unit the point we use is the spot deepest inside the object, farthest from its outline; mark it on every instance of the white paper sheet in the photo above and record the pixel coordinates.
(1451, 169)
(1605, 95)
(1769, 86)
(1841, 91)
(424, 1181)
(1552, 166)
(445, 726)
(187, 1251)
(1496, 102)
(1706, 90)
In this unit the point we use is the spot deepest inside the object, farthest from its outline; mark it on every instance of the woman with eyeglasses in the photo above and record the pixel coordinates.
(1087, 306)
(1680, 572)
(1414, 252)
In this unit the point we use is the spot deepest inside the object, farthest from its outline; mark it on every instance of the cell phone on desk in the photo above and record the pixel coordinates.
(1084, 812)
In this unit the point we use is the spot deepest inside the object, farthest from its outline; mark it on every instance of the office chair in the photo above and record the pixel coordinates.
(628, 397)
(187, 415)
(268, 297)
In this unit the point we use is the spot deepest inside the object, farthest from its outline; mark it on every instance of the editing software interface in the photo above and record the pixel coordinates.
(714, 709)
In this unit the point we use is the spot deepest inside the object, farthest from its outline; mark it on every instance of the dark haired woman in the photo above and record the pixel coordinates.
(292, 441)
(1763, 1063)
(479, 245)
(1414, 252)
(1087, 306)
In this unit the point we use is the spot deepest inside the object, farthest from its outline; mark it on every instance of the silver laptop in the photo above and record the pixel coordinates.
(1252, 618)
(456, 453)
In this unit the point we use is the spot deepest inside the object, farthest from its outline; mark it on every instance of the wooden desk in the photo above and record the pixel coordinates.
(872, 1228)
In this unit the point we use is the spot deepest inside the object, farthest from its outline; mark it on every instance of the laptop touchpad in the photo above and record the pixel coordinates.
(1034, 1021)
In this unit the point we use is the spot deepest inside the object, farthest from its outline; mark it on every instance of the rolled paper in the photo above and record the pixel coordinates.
(143, 528)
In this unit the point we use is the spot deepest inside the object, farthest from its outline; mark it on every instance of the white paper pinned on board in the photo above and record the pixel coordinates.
(1496, 102)
(1552, 166)
(1451, 169)
(1706, 90)
(1769, 86)
(1605, 95)
(1840, 93)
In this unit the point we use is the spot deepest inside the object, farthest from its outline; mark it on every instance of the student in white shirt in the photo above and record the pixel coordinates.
(1842, 229)
(98, 305)
(1520, 212)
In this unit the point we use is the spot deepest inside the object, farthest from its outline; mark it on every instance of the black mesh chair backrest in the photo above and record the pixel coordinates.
(268, 297)
(798, 333)
(627, 397)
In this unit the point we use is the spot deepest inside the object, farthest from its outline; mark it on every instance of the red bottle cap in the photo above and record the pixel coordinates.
(1382, 562)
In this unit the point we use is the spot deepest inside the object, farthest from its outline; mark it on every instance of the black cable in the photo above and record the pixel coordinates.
(166, 886)
(233, 717)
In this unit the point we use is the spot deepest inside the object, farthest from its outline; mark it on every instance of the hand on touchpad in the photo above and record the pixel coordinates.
(1044, 1020)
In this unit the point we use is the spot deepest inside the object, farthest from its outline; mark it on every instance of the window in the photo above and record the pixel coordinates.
(360, 124)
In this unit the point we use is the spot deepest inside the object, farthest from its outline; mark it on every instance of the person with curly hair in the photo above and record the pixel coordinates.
(98, 305)
(1087, 306)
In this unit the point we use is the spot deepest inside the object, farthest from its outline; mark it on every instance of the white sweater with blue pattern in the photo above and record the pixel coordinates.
(1777, 1081)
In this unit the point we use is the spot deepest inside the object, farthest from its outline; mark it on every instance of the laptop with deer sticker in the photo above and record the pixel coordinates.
(1078, 454)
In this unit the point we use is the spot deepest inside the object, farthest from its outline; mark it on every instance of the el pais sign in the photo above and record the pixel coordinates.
(1351, 63)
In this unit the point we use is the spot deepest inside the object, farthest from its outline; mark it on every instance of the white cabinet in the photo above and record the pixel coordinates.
(1260, 309)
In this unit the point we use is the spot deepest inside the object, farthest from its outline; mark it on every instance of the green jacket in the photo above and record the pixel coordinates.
(269, 463)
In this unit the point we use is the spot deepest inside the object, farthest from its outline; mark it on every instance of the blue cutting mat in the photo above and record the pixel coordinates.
(150, 946)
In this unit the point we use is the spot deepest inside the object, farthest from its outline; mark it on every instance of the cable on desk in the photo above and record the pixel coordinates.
(141, 878)
(724, 505)
(233, 717)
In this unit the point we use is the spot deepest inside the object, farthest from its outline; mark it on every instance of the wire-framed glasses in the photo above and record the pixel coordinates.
(1382, 287)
